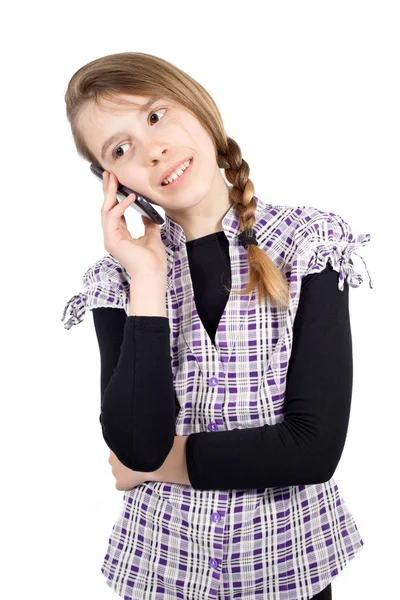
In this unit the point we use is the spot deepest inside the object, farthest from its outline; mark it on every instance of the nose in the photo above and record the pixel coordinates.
(154, 152)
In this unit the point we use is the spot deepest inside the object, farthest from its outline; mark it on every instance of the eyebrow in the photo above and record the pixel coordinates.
(116, 136)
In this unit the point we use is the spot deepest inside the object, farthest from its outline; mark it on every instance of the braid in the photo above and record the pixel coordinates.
(242, 194)
(263, 272)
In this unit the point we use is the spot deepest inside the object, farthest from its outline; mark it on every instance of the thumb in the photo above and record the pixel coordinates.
(150, 227)
(147, 222)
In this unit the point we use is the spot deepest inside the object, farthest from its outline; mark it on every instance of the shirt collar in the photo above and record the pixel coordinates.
(175, 234)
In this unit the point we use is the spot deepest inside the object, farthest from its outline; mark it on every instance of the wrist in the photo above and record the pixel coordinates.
(147, 296)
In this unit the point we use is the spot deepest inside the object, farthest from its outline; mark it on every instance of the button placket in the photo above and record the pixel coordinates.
(213, 426)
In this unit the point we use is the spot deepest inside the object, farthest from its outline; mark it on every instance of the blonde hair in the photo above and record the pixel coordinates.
(137, 73)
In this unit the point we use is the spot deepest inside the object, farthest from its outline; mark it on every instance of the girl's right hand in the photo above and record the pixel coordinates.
(143, 256)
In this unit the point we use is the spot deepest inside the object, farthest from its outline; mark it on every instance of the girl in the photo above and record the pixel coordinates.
(226, 352)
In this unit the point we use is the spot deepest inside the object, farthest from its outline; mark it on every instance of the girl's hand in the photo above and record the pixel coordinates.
(138, 256)
(126, 479)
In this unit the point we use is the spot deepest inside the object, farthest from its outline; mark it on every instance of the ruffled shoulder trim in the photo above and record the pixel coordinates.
(105, 284)
(326, 236)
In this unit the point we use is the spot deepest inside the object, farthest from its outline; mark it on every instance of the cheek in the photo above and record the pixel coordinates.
(188, 132)
(134, 178)
(204, 143)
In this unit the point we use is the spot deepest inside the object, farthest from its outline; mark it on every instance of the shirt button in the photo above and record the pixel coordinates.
(213, 381)
(213, 563)
(212, 426)
(216, 517)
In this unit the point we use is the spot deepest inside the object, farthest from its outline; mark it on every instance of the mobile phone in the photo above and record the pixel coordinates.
(141, 204)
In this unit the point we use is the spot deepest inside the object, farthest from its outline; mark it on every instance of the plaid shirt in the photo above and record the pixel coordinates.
(287, 543)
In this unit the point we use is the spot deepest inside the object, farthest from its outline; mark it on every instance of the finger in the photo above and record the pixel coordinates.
(118, 210)
(149, 223)
(110, 185)
(111, 220)
(105, 179)
(150, 227)
(112, 223)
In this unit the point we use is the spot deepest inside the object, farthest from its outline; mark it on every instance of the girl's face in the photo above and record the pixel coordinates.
(147, 144)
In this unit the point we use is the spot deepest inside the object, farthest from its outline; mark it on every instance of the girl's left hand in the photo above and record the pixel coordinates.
(126, 479)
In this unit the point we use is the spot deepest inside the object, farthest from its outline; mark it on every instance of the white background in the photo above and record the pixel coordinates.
(310, 91)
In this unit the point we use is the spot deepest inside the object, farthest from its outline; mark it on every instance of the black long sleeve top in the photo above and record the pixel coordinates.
(139, 405)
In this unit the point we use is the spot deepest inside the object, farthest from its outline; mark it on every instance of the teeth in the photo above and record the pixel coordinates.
(177, 173)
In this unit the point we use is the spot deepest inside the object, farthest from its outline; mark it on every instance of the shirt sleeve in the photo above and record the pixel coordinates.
(138, 402)
(104, 285)
(306, 446)
(325, 237)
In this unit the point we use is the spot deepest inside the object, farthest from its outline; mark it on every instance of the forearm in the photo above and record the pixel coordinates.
(138, 408)
(147, 296)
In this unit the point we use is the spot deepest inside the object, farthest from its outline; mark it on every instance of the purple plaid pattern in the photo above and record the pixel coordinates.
(287, 543)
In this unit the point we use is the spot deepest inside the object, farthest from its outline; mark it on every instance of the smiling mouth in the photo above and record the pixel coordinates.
(181, 176)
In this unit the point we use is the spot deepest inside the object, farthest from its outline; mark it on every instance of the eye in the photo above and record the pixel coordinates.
(156, 111)
(114, 152)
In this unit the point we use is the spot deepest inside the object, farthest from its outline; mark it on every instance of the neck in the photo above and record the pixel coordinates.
(206, 217)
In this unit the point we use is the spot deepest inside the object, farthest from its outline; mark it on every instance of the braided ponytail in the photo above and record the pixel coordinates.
(263, 272)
